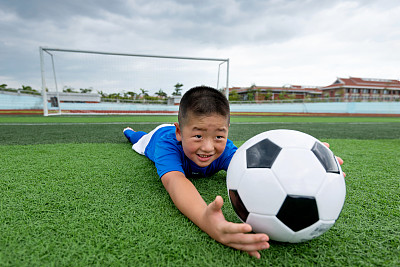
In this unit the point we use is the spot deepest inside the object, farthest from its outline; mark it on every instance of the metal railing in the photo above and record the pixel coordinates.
(134, 101)
(19, 92)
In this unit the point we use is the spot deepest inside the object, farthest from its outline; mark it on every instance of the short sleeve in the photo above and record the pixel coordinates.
(168, 157)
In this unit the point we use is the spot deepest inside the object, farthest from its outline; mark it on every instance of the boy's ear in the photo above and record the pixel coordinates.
(178, 132)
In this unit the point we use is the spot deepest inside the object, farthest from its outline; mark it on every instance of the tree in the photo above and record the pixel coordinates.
(115, 95)
(291, 96)
(104, 95)
(3, 86)
(161, 94)
(268, 95)
(144, 92)
(178, 89)
(234, 96)
(282, 95)
(85, 90)
(131, 95)
(67, 89)
(27, 88)
(251, 92)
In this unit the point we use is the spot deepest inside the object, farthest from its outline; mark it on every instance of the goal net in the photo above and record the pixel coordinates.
(92, 82)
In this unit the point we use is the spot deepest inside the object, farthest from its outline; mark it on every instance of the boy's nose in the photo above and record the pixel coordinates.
(207, 146)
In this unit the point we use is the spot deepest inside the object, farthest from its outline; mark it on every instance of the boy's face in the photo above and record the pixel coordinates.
(203, 138)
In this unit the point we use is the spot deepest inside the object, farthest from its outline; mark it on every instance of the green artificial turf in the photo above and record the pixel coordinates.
(78, 195)
(101, 129)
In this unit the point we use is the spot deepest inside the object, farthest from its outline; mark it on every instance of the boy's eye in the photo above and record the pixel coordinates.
(219, 137)
(197, 136)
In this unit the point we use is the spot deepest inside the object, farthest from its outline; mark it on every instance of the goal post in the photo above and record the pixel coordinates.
(94, 82)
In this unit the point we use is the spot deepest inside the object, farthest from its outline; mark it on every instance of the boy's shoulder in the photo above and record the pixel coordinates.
(164, 138)
(166, 134)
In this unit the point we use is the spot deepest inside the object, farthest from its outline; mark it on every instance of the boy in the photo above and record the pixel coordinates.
(198, 146)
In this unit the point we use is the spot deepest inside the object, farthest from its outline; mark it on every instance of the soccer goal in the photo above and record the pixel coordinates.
(93, 82)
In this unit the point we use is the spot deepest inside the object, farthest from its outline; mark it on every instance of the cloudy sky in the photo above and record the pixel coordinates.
(268, 42)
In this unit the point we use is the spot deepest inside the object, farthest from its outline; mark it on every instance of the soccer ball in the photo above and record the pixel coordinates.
(286, 184)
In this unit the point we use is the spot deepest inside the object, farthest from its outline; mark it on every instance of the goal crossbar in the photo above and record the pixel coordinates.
(134, 55)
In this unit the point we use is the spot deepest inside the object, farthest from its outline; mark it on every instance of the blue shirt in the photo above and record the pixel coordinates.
(167, 154)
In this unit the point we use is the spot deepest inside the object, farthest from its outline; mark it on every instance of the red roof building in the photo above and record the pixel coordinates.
(363, 89)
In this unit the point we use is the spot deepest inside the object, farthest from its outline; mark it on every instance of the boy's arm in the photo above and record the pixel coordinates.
(209, 218)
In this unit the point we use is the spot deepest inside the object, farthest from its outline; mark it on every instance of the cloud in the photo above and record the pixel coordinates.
(271, 42)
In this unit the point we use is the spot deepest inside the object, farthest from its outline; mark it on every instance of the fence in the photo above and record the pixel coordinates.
(32, 102)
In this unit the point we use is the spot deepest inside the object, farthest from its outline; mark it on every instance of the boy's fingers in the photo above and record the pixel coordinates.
(255, 246)
(254, 254)
(339, 160)
(217, 203)
(249, 240)
(241, 233)
(236, 228)
(326, 144)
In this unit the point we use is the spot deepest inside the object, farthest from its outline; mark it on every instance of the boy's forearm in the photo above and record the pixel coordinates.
(185, 197)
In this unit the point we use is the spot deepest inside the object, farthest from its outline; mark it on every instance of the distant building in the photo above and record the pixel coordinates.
(363, 89)
(347, 89)
(74, 97)
(260, 93)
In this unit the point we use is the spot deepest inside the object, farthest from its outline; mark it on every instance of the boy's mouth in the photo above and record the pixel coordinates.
(203, 157)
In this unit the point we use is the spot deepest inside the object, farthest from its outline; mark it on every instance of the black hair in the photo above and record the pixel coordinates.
(203, 101)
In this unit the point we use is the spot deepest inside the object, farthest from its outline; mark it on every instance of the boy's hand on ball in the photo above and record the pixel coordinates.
(235, 235)
(338, 158)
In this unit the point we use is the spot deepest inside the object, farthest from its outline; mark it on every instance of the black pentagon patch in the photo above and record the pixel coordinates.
(238, 205)
(326, 157)
(298, 212)
(262, 154)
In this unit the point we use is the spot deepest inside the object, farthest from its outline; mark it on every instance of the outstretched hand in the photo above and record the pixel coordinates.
(235, 235)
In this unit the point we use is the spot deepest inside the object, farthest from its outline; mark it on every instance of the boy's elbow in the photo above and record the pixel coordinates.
(170, 178)
(165, 180)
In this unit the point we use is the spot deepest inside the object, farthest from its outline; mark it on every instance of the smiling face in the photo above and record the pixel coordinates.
(203, 138)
